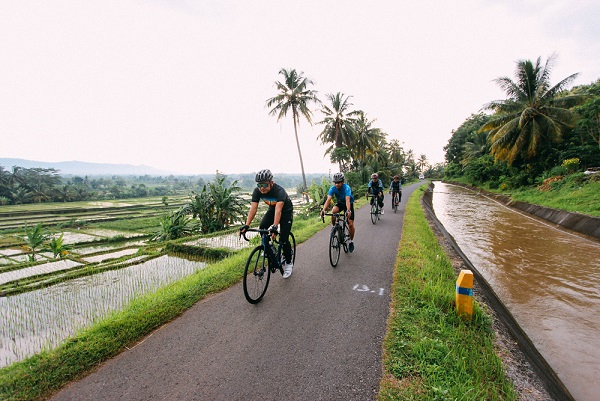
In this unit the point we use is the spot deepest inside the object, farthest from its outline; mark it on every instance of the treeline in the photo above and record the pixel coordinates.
(21, 185)
(540, 131)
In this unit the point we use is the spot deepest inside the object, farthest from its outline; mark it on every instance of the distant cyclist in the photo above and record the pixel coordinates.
(344, 202)
(396, 188)
(280, 213)
(375, 188)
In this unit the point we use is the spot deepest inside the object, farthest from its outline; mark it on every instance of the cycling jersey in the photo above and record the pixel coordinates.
(375, 187)
(276, 194)
(340, 194)
(396, 186)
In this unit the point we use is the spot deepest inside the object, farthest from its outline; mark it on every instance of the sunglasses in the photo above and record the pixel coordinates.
(263, 185)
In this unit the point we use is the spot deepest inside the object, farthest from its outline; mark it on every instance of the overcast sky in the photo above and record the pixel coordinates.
(181, 85)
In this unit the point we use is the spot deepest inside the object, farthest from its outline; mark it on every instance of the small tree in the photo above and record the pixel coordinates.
(35, 238)
(216, 206)
(58, 247)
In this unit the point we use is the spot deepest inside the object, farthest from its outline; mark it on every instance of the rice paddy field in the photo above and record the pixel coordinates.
(110, 262)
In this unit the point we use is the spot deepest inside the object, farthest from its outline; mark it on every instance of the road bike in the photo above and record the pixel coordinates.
(339, 237)
(264, 260)
(375, 210)
(395, 201)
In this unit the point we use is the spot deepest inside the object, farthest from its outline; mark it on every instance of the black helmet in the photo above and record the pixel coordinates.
(374, 175)
(338, 177)
(263, 175)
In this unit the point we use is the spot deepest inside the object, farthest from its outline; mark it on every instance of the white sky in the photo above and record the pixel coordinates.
(181, 85)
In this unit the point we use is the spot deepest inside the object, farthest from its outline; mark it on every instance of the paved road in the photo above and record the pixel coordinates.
(314, 336)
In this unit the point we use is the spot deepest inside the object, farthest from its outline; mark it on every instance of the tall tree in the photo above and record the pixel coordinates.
(339, 125)
(422, 162)
(293, 95)
(533, 115)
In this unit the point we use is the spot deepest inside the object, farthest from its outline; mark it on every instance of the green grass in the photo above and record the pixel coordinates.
(576, 193)
(570, 197)
(429, 352)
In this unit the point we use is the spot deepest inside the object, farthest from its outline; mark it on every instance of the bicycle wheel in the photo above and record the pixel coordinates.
(334, 247)
(256, 275)
(345, 237)
(395, 202)
(374, 212)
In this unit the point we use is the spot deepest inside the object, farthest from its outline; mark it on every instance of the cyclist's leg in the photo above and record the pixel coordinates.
(381, 200)
(334, 209)
(285, 227)
(268, 219)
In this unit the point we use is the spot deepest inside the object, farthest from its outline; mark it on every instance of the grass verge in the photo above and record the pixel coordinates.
(429, 352)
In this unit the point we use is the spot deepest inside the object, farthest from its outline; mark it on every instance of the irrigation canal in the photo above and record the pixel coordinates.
(549, 279)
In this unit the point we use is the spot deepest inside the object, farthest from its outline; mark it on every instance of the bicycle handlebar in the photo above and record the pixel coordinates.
(336, 215)
(261, 231)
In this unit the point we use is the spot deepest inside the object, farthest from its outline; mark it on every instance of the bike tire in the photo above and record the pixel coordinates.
(334, 247)
(345, 237)
(395, 202)
(374, 213)
(257, 274)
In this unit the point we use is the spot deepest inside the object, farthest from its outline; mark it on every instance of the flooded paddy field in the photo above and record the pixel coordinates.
(42, 319)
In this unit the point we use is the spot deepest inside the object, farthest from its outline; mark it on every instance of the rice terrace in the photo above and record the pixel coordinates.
(105, 260)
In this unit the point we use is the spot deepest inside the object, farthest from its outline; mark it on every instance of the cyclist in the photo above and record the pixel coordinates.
(396, 188)
(375, 187)
(280, 213)
(344, 202)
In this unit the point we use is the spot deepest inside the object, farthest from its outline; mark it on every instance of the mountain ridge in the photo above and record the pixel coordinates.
(75, 167)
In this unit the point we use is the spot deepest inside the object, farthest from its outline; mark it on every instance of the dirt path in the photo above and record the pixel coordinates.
(315, 336)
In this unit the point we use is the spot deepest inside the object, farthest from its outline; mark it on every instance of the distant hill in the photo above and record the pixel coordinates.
(84, 168)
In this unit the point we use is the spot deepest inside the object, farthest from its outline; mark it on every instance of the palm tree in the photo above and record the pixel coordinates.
(293, 95)
(422, 162)
(533, 115)
(396, 152)
(339, 125)
(368, 139)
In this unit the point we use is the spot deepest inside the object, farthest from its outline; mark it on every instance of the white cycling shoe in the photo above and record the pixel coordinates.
(287, 270)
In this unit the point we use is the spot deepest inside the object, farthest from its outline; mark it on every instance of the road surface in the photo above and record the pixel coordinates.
(315, 336)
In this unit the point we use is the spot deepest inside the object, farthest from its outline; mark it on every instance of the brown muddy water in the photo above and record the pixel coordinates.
(549, 279)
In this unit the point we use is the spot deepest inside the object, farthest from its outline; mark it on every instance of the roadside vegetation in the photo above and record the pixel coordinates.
(540, 145)
(429, 352)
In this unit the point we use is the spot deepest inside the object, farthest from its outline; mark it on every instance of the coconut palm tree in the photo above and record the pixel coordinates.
(339, 124)
(533, 115)
(293, 95)
(422, 162)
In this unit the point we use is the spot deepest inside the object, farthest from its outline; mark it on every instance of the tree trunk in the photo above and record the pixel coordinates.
(295, 116)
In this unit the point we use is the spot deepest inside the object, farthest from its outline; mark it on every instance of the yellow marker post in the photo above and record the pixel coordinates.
(464, 294)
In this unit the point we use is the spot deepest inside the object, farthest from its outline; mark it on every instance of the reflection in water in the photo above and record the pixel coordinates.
(549, 279)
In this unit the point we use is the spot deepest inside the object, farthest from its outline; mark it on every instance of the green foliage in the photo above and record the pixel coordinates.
(173, 225)
(35, 238)
(535, 115)
(217, 206)
(58, 247)
(571, 165)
